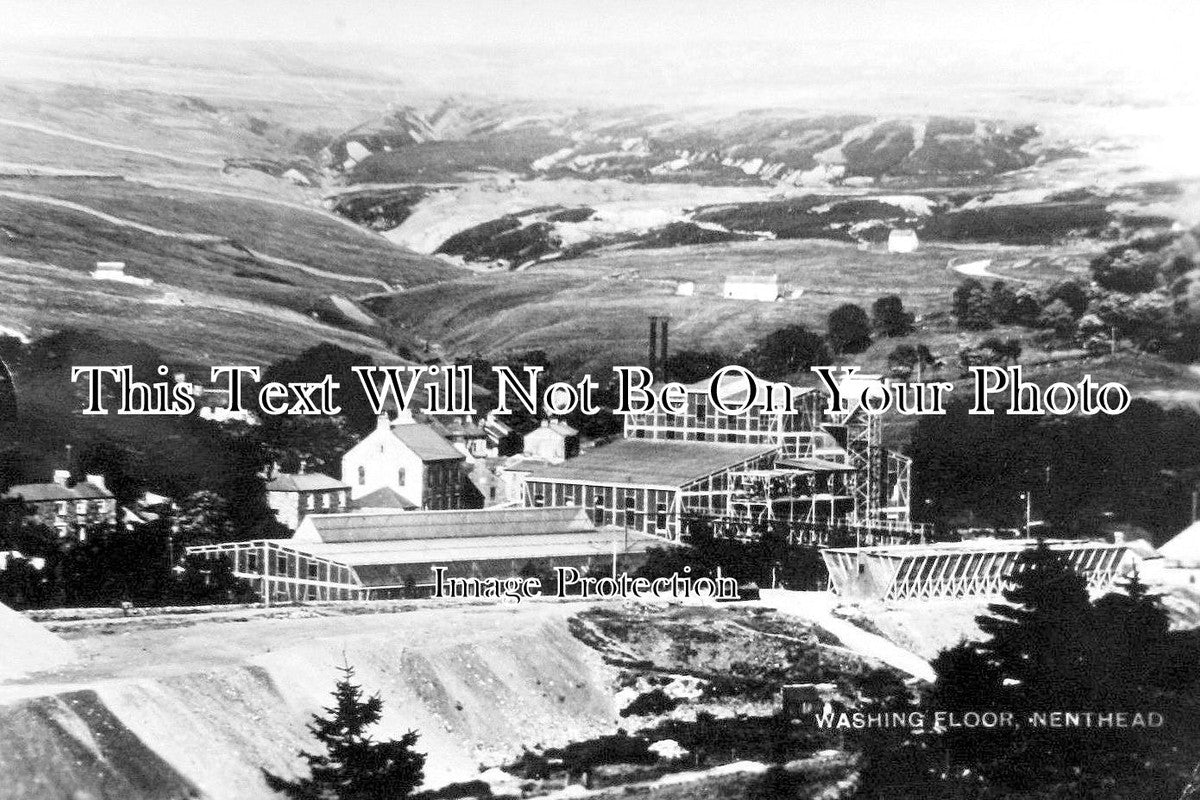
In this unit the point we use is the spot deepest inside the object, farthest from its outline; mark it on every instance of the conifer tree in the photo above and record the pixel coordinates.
(1043, 636)
(353, 766)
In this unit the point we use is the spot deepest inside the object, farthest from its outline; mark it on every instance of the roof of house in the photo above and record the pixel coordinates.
(1184, 547)
(458, 524)
(44, 492)
(753, 279)
(427, 443)
(303, 482)
(387, 497)
(653, 462)
(455, 426)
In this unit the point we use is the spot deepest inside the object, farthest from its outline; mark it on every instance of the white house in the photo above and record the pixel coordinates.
(115, 271)
(408, 457)
(763, 288)
(555, 441)
(902, 240)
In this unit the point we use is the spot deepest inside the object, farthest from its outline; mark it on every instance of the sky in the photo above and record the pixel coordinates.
(746, 50)
(1073, 24)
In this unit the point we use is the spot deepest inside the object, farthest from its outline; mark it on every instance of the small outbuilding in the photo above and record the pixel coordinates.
(761, 288)
(902, 240)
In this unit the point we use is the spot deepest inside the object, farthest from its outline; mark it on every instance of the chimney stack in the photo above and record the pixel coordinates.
(658, 345)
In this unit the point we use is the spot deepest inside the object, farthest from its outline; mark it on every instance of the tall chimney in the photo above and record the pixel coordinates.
(652, 362)
(658, 345)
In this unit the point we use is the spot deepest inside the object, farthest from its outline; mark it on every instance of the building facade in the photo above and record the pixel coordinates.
(410, 458)
(294, 496)
(70, 508)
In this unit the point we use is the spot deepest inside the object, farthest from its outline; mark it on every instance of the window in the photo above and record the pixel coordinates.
(492, 493)
(281, 563)
(252, 562)
(81, 507)
(362, 476)
(325, 500)
(313, 570)
(62, 507)
(400, 476)
(539, 500)
(660, 520)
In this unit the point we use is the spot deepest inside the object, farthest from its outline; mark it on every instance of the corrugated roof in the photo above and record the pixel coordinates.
(426, 525)
(427, 443)
(478, 548)
(984, 544)
(813, 465)
(43, 492)
(387, 497)
(651, 462)
(303, 482)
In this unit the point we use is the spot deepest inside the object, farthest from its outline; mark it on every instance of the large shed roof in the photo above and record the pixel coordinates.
(650, 462)
(421, 526)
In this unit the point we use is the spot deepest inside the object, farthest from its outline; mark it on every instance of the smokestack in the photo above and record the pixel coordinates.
(652, 362)
(658, 345)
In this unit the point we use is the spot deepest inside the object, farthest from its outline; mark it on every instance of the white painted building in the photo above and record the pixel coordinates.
(762, 288)
(555, 441)
(902, 240)
(115, 271)
(408, 457)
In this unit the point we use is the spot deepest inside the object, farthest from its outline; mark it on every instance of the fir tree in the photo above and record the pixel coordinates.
(353, 766)
(1134, 627)
(1043, 635)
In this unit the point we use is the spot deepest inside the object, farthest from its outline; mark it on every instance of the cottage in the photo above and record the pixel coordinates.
(409, 457)
(70, 508)
(554, 440)
(761, 288)
(295, 495)
(115, 271)
(902, 240)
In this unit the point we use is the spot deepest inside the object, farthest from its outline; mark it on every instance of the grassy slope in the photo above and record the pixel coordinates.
(592, 311)
(275, 230)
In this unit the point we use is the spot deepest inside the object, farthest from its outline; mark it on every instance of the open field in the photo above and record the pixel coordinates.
(591, 312)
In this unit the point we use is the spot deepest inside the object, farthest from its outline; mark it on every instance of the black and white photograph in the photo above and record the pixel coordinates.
(608, 399)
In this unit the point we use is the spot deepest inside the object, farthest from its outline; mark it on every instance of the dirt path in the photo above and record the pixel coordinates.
(979, 269)
(197, 238)
(29, 126)
(817, 607)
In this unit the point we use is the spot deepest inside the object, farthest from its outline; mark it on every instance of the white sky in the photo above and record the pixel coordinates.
(699, 49)
(1074, 24)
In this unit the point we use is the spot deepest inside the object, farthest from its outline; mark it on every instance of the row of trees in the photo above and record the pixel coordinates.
(795, 348)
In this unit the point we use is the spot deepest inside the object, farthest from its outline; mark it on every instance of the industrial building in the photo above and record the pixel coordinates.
(369, 556)
(958, 569)
(796, 464)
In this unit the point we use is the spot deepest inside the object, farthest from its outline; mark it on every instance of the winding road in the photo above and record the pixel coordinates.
(42, 129)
